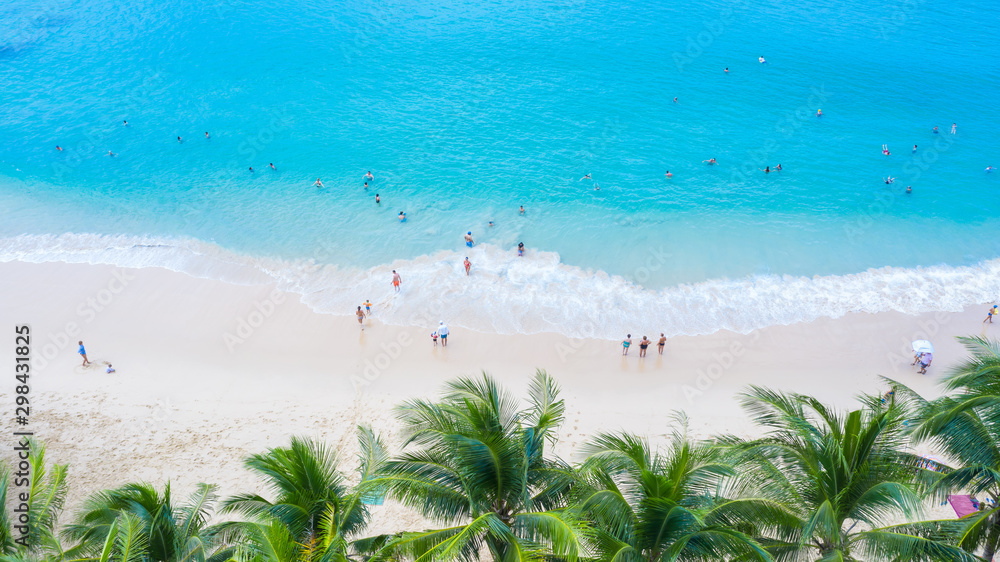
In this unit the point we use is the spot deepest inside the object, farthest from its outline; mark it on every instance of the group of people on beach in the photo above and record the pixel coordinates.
(643, 344)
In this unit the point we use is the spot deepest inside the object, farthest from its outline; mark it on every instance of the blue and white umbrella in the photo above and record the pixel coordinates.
(922, 346)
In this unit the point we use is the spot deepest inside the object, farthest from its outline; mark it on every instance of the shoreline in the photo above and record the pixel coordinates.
(188, 401)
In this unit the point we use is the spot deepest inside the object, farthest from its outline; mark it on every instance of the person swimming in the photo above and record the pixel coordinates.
(889, 180)
(179, 139)
(989, 169)
(761, 59)
(402, 216)
(675, 100)
(766, 170)
(491, 223)
(819, 113)
(885, 149)
(369, 176)
(272, 166)
(586, 177)
(318, 183)
(914, 148)
(935, 131)
(366, 185)
(777, 168)
(709, 161)
(378, 200)
(669, 175)
(59, 148)
(125, 123)
(597, 186)
(521, 210)
(206, 135)
(468, 239)
(111, 154)
(953, 128)
(251, 169)
(909, 189)
(727, 70)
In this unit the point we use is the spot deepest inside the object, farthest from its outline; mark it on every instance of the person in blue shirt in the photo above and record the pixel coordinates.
(83, 353)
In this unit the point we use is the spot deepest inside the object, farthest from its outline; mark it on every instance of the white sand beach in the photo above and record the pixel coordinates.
(209, 372)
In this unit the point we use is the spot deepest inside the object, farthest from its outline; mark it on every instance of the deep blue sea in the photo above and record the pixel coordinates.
(464, 111)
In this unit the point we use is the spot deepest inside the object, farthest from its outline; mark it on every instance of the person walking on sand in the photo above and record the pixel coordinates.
(396, 280)
(626, 343)
(468, 265)
(361, 318)
(661, 343)
(443, 333)
(643, 344)
(368, 307)
(990, 313)
(434, 337)
(83, 353)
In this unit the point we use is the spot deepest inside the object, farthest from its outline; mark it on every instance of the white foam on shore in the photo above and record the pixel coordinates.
(537, 293)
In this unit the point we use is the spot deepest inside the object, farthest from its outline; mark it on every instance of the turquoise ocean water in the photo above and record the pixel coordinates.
(464, 111)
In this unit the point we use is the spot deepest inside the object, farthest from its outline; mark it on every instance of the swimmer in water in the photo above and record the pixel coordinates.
(111, 154)
(953, 127)
(669, 175)
(909, 189)
(709, 161)
(675, 100)
(59, 148)
(586, 177)
(206, 135)
(597, 186)
(935, 131)
(318, 183)
(468, 239)
(125, 123)
(251, 169)
(378, 200)
(989, 169)
(402, 216)
(885, 149)
(366, 185)
(491, 224)
(727, 70)
(520, 249)
(369, 176)
(766, 170)
(761, 59)
(521, 210)
(272, 166)
(777, 168)
(889, 180)
(914, 148)
(179, 139)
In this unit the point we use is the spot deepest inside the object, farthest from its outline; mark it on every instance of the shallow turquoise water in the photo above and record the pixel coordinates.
(465, 110)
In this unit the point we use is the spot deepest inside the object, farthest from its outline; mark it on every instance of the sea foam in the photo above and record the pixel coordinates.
(536, 293)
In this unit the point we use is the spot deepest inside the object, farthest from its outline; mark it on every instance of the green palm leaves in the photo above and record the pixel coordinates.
(476, 459)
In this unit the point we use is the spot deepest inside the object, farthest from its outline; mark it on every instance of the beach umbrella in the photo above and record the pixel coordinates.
(922, 346)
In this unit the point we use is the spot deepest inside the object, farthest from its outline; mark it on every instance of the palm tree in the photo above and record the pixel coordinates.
(136, 520)
(834, 479)
(648, 506)
(965, 426)
(47, 493)
(314, 515)
(475, 461)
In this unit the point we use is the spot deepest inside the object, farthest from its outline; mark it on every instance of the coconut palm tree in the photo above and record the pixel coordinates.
(320, 514)
(965, 426)
(836, 479)
(649, 506)
(136, 520)
(475, 461)
(47, 493)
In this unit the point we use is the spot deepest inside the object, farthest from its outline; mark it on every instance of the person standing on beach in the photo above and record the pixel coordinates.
(662, 342)
(83, 353)
(468, 265)
(625, 344)
(361, 318)
(396, 280)
(990, 313)
(443, 333)
(643, 344)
